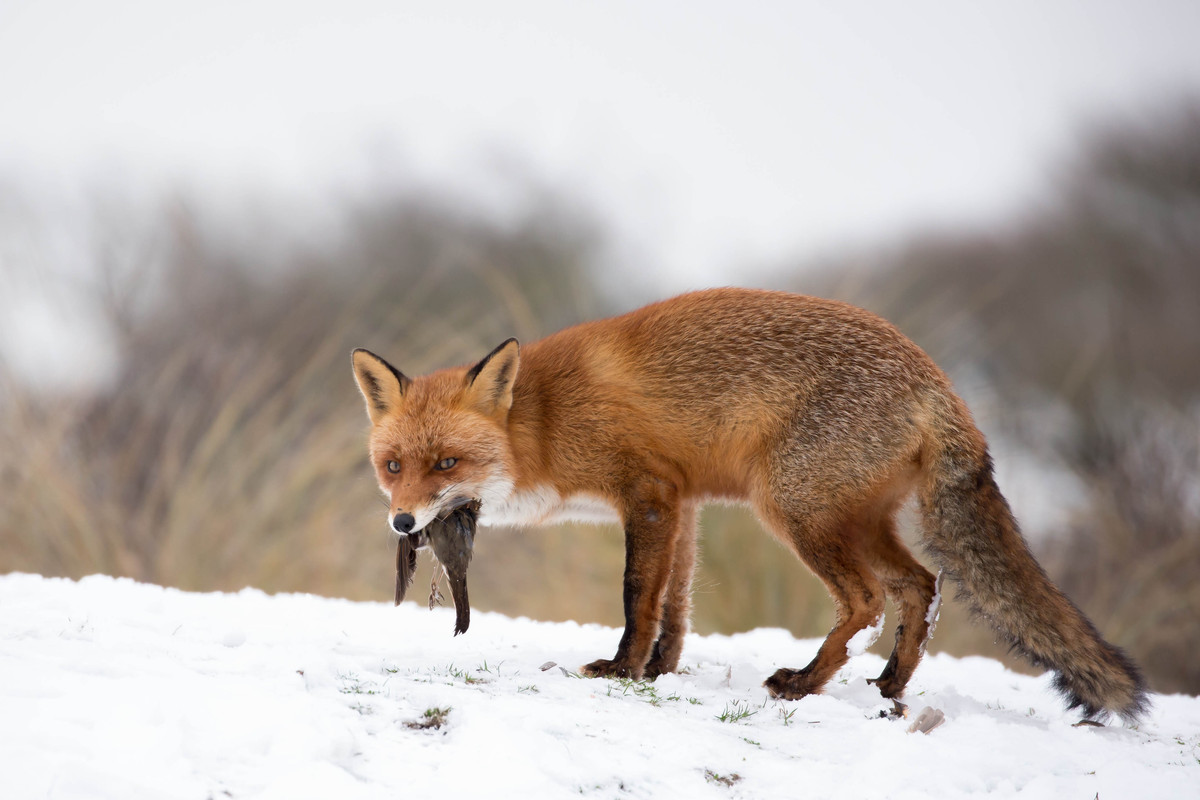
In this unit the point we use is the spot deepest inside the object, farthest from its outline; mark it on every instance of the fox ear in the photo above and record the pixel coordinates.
(382, 385)
(490, 382)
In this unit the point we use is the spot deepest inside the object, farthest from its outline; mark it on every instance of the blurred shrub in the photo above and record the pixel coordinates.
(228, 450)
(1083, 323)
(1133, 552)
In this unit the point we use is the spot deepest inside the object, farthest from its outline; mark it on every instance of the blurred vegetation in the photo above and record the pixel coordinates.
(1075, 333)
(228, 447)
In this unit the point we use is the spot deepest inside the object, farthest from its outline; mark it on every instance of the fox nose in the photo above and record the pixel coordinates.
(403, 522)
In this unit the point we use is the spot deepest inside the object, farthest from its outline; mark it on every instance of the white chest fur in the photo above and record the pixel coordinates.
(544, 506)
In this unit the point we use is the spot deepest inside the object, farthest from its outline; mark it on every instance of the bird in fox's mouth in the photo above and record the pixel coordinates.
(452, 539)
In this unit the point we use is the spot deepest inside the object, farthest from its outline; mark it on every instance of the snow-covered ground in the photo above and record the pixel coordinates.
(114, 689)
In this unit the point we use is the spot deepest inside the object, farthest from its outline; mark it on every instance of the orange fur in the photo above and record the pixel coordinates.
(820, 415)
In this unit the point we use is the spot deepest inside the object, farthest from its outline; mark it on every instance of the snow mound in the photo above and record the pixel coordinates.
(114, 689)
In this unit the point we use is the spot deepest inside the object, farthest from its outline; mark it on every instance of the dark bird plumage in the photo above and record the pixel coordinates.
(452, 539)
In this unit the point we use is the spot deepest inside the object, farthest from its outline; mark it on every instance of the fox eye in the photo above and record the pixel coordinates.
(393, 467)
(446, 463)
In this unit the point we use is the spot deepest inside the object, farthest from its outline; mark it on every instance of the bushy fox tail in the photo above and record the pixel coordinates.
(970, 532)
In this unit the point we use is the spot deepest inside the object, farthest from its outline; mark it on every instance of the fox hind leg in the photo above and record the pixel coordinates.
(912, 588)
(830, 551)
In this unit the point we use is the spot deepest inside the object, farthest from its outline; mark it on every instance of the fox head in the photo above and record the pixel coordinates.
(439, 441)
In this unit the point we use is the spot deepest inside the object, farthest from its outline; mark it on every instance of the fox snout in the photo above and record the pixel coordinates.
(406, 523)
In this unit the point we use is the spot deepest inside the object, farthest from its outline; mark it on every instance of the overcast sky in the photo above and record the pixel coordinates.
(706, 134)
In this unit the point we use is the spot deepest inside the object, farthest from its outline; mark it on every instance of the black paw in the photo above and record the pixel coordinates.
(791, 684)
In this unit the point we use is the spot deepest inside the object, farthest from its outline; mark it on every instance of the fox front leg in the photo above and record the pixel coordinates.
(677, 600)
(651, 533)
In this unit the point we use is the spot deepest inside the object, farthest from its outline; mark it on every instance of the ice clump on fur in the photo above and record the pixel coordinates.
(862, 640)
(935, 605)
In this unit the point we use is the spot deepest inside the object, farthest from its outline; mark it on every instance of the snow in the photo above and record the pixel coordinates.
(115, 689)
(935, 605)
(860, 642)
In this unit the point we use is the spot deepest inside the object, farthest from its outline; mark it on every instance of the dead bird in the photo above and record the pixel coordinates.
(452, 539)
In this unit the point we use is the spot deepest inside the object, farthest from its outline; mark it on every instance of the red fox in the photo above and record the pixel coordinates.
(821, 416)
